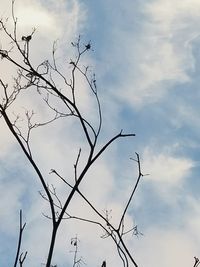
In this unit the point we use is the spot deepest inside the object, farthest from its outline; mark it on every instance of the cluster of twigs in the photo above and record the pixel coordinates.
(41, 78)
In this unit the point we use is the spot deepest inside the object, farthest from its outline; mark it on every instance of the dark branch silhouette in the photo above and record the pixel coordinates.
(40, 79)
(20, 256)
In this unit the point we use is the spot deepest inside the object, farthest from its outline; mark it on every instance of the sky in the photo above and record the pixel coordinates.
(145, 55)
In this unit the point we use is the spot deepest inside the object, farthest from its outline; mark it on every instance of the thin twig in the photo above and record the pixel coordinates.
(133, 191)
(21, 229)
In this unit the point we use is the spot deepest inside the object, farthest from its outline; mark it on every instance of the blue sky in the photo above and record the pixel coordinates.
(146, 58)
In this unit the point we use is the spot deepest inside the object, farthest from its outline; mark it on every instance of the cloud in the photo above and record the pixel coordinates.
(163, 247)
(164, 184)
(6, 141)
(151, 60)
(51, 19)
(159, 55)
(53, 22)
(165, 168)
(186, 116)
(11, 194)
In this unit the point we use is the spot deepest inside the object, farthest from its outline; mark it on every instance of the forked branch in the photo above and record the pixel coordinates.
(41, 78)
(21, 257)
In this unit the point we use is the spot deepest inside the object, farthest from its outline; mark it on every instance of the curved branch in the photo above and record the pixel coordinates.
(10, 126)
(109, 142)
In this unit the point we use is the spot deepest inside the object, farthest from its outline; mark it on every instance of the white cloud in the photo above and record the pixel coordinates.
(162, 247)
(63, 22)
(6, 140)
(11, 192)
(162, 54)
(192, 218)
(186, 115)
(165, 168)
(51, 20)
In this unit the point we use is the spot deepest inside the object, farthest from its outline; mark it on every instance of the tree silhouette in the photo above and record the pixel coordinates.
(61, 102)
(41, 79)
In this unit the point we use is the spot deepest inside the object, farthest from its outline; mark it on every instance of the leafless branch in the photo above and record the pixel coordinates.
(22, 258)
(77, 261)
(196, 262)
(76, 164)
(133, 191)
(18, 255)
(41, 78)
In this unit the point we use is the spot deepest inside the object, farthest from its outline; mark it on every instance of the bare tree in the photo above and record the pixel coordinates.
(41, 78)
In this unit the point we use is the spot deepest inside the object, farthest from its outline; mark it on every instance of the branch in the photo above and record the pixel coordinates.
(9, 124)
(196, 262)
(22, 258)
(21, 229)
(133, 192)
(109, 142)
(76, 165)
